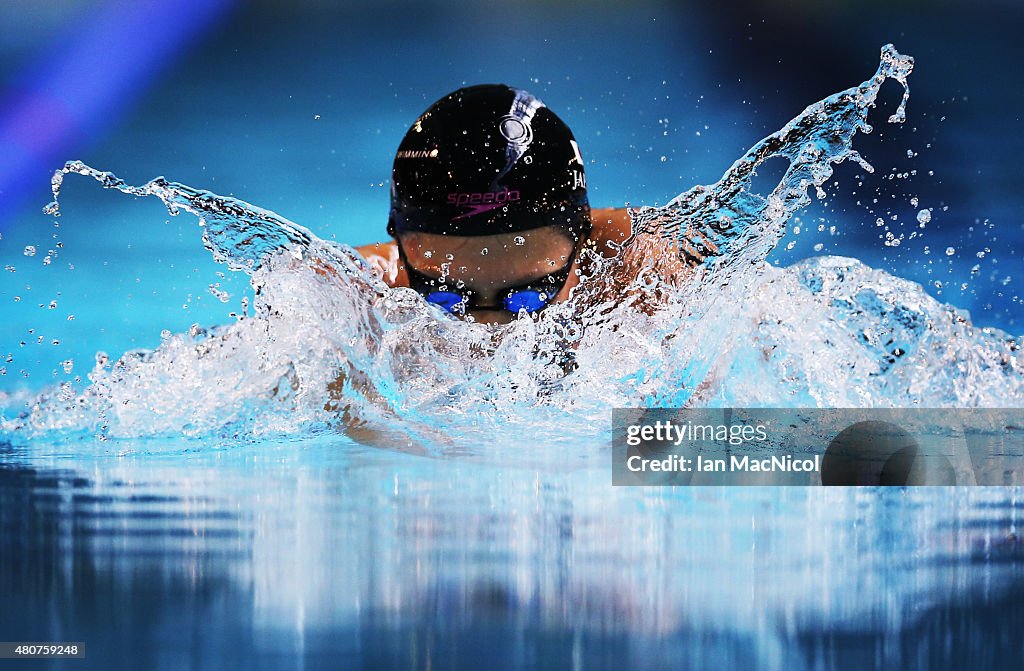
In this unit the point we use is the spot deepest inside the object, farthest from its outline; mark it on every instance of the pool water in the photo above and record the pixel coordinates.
(316, 551)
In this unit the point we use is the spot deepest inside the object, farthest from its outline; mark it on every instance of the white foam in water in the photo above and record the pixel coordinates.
(330, 346)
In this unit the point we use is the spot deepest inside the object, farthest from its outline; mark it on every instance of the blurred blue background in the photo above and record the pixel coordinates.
(299, 106)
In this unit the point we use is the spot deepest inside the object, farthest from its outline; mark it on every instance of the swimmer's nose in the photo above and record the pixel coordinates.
(492, 316)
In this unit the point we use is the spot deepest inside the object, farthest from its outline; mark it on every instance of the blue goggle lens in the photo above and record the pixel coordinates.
(449, 300)
(528, 300)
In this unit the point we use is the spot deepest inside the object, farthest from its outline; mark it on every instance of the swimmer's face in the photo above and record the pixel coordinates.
(489, 264)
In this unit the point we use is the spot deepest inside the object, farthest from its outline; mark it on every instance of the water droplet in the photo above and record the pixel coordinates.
(30, 250)
(818, 247)
(924, 216)
(221, 295)
(913, 201)
(68, 365)
(165, 334)
(483, 252)
(316, 117)
(950, 251)
(67, 392)
(519, 241)
(891, 240)
(428, 254)
(53, 304)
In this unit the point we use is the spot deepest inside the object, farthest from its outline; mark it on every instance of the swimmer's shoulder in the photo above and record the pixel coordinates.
(383, 258)
(611, 224)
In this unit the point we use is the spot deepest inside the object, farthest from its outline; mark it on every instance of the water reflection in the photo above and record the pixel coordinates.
(321, 552)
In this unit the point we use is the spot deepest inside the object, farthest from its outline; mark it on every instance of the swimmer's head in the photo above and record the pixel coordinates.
(489, 203)
(488, 160)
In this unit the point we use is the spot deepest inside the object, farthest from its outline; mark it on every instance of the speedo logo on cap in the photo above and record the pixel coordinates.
(481, 201)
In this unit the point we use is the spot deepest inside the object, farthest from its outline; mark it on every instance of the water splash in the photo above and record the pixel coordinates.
(735, 225)
(237, 233)
(329, 346)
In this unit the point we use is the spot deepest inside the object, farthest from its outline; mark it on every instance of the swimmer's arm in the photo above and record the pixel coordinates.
(383, 259)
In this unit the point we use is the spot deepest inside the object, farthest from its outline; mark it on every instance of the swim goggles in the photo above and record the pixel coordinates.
(531, 296)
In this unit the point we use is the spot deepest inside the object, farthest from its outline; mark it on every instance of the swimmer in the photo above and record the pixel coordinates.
(489, 210)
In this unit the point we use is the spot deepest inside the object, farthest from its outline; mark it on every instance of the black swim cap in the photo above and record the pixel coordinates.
(485, 160)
